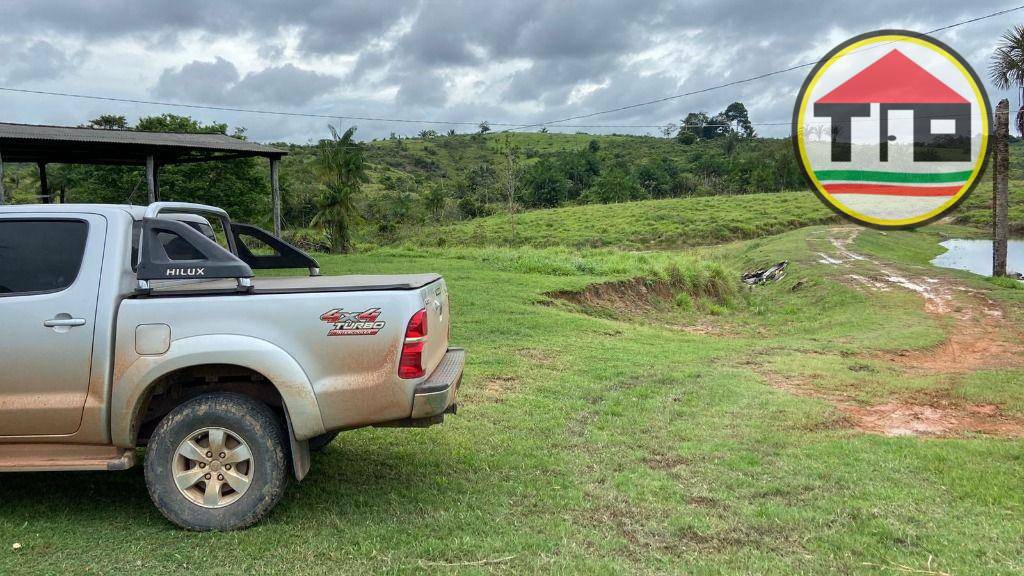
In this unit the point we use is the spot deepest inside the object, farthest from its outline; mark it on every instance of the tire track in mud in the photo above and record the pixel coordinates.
(979, 337)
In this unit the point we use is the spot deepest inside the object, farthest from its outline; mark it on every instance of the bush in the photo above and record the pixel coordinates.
(616, 185)
(684, 302)
(308, 239)
(1005, 282)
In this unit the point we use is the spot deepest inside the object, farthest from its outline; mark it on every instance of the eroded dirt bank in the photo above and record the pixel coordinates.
(979, 337)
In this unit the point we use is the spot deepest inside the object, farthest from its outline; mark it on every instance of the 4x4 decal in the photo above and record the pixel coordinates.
(363, 323)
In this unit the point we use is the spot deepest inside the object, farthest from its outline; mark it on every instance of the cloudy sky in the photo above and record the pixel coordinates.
(505, 61)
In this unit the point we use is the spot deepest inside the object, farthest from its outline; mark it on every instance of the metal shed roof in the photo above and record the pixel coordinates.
(64, 144)
(44, 145)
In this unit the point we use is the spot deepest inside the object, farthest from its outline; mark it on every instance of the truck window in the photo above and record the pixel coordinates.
(40, 255)
(177, 249)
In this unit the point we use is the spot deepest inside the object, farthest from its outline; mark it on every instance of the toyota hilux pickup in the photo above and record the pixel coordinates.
(125, 327)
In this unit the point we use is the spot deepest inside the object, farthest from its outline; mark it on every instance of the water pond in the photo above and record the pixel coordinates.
(976, 256)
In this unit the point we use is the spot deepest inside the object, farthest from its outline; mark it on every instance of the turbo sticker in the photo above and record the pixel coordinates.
(363, 323)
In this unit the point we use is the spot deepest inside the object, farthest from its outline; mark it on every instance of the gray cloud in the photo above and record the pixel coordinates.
(205, 82)
(330, 24)
(344, 27)
(424, 90)
(37, 60)
(410, 55)
(286, 85)
(551, 81)
(218, 82)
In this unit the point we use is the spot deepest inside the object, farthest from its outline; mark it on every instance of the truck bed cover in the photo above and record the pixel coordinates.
(296, 284)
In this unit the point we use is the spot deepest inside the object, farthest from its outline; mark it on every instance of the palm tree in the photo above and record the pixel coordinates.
(1007, 67)
(341, 167)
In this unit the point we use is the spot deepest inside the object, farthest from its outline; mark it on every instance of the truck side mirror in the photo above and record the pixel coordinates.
(173, 250)
(284, 255)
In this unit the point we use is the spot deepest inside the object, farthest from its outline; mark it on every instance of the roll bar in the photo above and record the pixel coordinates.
(149, 260)
(156, 208)
(237, 262)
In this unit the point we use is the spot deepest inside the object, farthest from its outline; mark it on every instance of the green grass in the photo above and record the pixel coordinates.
(605, 445)
(994, 386)
(977, 209)
(644, 225)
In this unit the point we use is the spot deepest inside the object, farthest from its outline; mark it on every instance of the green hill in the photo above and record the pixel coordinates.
(665, 223)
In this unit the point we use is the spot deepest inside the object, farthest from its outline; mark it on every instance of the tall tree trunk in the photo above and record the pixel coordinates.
(1000, 188)
(510, 156)
(338, 239)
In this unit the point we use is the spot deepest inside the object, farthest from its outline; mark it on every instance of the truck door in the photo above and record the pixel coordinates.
(49, 280)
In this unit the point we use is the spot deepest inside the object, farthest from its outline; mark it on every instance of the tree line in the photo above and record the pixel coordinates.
(339, 190)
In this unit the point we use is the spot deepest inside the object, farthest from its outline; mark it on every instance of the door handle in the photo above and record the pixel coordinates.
(68, 322)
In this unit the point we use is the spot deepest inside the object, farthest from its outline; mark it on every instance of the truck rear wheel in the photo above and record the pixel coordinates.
(217, 462)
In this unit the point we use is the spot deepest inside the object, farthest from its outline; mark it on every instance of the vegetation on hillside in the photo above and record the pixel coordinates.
(976, 210)
(447, 187)
(640, 225)
(454, 176)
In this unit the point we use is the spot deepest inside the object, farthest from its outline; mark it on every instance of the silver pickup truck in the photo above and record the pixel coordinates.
(124, 327)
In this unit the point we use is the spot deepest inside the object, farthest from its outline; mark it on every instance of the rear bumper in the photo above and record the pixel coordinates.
(436, 395)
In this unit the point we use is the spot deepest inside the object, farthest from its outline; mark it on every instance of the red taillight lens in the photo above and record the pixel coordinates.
(411, 363)
(417, 326)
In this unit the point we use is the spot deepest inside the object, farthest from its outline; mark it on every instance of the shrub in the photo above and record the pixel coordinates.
(308, 239)
(1005, 282)
(684, 302)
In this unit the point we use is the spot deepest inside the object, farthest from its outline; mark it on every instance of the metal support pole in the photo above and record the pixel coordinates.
(44, 187)
(1000, 189)
(151, 177)
(275, 193)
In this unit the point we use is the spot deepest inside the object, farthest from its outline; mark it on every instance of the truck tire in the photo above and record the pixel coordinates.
(217, 462)
(318, 443)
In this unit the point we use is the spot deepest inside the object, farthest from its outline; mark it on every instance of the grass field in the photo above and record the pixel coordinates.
(703, 434)
(670, 223)
(977, 209)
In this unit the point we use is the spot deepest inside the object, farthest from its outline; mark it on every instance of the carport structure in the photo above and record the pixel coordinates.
(42, 145)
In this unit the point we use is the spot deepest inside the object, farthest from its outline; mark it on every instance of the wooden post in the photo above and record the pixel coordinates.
(44, 187)
(63, 194)
(2, 198)
(275, 193)
(151, 177)
(1000, 189)
(156, 181)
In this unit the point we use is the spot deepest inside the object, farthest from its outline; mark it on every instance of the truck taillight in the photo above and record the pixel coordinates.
(411, 364)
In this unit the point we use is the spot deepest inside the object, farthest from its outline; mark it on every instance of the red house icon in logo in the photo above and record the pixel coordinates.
(895, 82)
